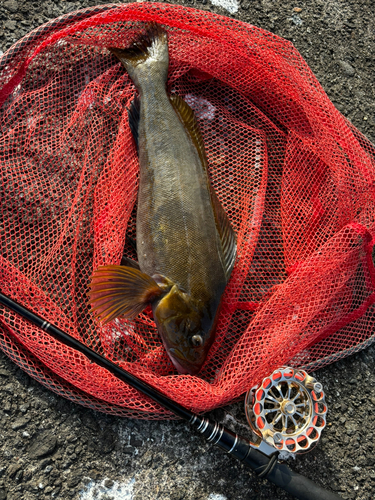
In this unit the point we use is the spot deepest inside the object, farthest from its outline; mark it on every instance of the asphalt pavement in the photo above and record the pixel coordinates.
(54, 448)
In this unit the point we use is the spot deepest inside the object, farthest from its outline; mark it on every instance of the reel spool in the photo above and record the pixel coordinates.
(287, 411)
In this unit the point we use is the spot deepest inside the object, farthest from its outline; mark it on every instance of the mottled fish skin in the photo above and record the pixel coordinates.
(178, 242)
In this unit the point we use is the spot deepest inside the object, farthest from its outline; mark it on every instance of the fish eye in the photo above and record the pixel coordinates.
(196, 340)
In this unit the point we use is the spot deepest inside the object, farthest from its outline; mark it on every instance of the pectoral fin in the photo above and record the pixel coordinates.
(121, 291)
(227, 235)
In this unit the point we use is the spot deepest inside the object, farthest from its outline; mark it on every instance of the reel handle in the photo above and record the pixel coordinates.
(265, 466)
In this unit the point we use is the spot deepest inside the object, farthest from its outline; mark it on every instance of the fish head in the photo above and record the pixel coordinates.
(185, 328)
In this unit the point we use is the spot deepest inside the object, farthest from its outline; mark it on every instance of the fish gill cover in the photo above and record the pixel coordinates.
(296, 179)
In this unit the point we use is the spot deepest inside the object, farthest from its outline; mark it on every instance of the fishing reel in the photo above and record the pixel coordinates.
(286, 412)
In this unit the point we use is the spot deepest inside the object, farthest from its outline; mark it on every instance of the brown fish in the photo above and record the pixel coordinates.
(186, 247)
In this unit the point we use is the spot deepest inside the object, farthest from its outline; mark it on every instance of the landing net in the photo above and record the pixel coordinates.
(296, 179)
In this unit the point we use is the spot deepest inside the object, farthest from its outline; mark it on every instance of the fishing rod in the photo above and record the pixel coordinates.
(260, 456)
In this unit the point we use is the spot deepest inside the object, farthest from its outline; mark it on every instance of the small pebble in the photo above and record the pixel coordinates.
(11, 5)
(10, 25)
(297, 9)
(108, 483)
(19, 424)
(42, 444)
(297, 20)
(347, 68)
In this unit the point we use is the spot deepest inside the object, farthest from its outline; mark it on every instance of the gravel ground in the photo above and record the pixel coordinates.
(51, 448)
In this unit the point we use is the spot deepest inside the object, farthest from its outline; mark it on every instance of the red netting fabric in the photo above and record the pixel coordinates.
(296, 179)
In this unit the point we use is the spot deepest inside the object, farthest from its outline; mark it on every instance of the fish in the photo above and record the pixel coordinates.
(186, 246)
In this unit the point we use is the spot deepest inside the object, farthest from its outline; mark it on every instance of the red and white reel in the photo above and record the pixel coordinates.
(287, 410)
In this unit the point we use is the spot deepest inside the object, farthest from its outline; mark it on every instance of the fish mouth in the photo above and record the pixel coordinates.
(181, 364)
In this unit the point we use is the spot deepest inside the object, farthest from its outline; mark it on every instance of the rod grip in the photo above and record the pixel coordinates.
(267, 467)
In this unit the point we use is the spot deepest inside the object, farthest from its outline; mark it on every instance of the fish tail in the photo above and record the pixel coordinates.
(147, 57)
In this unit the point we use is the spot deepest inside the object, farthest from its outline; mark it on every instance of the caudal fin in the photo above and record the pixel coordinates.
(147, 57)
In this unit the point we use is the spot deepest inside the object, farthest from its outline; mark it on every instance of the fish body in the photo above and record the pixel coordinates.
(185, 245)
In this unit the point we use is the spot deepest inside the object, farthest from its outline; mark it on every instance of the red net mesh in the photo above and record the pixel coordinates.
(296, 179)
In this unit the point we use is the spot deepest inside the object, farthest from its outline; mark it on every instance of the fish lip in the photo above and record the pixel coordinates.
(186, 368)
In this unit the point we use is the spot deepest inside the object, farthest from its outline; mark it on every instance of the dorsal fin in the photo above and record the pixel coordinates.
(187, 117)
(227, 235)
(133, 116)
